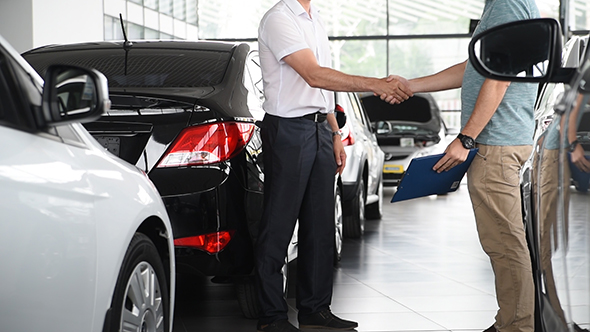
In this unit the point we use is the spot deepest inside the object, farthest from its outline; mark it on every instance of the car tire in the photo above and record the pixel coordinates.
(354, 222)
(247, 296)
(338, 225)
(247, 293)
(147, 310)
(374, 211)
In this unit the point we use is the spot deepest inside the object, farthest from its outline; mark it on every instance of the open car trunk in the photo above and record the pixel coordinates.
(417, 120)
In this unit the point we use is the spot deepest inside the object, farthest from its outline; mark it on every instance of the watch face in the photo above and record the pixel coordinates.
(468, 142)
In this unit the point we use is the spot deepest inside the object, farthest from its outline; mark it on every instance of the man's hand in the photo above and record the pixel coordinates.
(454, 155)
(580, 160)
(393, 89)
(339, 154)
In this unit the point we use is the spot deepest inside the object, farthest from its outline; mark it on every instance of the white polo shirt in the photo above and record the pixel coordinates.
(287, 28)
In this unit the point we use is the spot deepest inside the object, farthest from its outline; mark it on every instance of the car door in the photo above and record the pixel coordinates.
(47, 225)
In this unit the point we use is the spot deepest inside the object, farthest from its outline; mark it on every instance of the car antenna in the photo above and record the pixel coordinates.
(127, 45)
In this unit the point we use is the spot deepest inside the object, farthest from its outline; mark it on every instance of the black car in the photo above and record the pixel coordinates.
(555, 202)
(185, 113)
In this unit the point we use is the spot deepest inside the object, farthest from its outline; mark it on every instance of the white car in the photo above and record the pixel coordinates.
(362, 180)
(85, 241)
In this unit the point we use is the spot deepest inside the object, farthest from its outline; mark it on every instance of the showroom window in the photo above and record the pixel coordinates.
(579, 15)
(372, 38)
(151, 19)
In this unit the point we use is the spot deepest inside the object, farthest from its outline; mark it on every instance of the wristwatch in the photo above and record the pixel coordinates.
(573, 145)
(337, 133)
(468, 142)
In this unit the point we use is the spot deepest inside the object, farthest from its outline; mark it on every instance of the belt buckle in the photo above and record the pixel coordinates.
(315, 117)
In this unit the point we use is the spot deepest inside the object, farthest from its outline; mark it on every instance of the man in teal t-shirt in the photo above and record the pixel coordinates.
(496, 117)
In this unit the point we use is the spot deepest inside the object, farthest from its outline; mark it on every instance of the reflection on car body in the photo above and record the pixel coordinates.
(556, 215)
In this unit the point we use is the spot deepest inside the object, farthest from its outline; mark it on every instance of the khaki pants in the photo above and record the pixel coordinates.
(494, 186)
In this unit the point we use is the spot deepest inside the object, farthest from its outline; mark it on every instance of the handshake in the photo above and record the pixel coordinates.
(393, 89)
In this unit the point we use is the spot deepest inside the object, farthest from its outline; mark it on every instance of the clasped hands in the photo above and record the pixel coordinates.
(393, 89)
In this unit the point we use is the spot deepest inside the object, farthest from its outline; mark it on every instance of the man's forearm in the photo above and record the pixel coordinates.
(450, 78)
(333, 80)
(305, 64)
(490, 95)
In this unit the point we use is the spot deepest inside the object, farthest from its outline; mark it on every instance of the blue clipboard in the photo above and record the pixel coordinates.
(420, 180)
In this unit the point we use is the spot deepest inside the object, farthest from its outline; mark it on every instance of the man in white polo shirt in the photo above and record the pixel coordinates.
(302, 153)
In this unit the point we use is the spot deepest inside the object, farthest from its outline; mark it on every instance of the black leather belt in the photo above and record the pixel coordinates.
(316, 117)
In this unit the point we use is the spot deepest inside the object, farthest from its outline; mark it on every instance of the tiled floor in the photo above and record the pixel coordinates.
(419, 268)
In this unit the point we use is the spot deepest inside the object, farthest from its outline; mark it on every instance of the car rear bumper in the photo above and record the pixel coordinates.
(226, 207)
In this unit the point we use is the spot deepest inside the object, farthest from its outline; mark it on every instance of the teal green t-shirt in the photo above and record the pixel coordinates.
(513, 122)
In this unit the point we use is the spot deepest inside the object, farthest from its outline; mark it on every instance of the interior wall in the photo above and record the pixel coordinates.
(69, 21)
(16, 23)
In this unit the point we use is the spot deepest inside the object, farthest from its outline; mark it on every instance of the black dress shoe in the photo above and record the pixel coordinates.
(282, 325)
(325, 320)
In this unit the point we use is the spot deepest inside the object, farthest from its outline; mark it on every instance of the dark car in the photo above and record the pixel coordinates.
(185, 113)
(411, 129)
(556, 215)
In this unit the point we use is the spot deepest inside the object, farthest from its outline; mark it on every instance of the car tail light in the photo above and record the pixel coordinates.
(207, 144)
(211, 243)
(347, 138)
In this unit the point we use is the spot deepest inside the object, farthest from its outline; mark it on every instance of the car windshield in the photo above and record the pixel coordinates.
(161, 68)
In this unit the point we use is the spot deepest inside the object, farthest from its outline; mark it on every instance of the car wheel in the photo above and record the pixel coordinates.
(247, 293)
(354, 222)
(338, 226)
(247, 296)
(375, 210)
(140, 300)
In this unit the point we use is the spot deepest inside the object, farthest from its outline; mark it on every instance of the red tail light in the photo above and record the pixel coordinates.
(347, 138)
(208, 143)
(211, 243)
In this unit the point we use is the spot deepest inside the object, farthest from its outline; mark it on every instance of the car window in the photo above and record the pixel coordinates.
(11, 106)
(357, 110)
(362, 111)
(344, 102)
(350, 105)
(19, 96)
(253, 82)
(165, 68)
(6, 102)
(255, 75)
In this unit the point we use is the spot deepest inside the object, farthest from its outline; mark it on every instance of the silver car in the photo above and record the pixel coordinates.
(362, 180)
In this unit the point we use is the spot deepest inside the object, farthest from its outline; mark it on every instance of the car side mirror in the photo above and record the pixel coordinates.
(521, 51)
(74, 94)
(340, 116)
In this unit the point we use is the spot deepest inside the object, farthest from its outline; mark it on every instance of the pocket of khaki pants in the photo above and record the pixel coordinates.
(511, 166)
